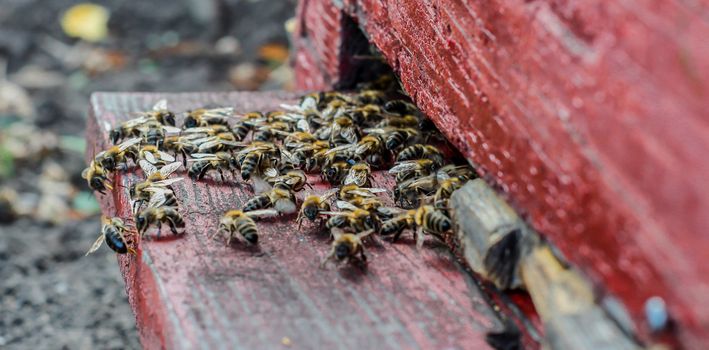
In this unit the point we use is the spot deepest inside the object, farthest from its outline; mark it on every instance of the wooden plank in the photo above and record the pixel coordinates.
(588, 116)
(192, 292)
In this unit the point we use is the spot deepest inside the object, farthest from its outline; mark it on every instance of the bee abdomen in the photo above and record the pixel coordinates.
(438, 222)
(336, 221)
(395, 139)
(114, 241)
(256, 203)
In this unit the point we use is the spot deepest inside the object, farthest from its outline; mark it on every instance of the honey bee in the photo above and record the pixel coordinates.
(344, 131)
(396, 225)
(358, 175)
(156, 193)
(356, 219)
(346, 246)
(350, 192)
(312, 206)
(400, 107)
(224, 141)
(283, 201)
(335, 173)
(113, 232)
(406, 121)
(179, 145)
(276, 130)
(393, 137)
(96, 177)
(445, 190)
(292, 180)
(412, 169)
(205, 117)
(257, 155)
(420, 151)
(298, 140)
(408, 193)
(203, 162)
(248, 121)
(374, 97)
(462, 172)
(155, 156)
(139, 126)
(430, 220)
(115, 155)
(159, 216)
(370, 204)
(369, 145)
(238, 224)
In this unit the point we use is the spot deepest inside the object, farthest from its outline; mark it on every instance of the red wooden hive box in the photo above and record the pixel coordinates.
(589, 116)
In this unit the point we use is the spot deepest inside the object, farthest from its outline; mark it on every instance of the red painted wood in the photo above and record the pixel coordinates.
(192, 292)
(590, 116)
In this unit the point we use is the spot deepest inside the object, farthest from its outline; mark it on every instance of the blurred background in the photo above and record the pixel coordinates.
(53, 55)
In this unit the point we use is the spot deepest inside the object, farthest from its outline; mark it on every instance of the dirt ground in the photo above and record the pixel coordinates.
(52, 296)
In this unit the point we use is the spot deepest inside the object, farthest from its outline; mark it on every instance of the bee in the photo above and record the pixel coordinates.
(224, 141)
(299, 139)
(292, 180)
(236, 223)
(274, 130)
(283, 201)
(155, 156)
(400, 107)
(113, 232)
(445, 190)
(358, 175)
(412, 169)
(96, 177)
(396, 225)
(356, 219)
(350, 192)
(408, 193)
(420, 151)
(242, 127)
(203, 162)
(312, 206)
(430, 220)
(462, 172)
(115, 155)
(205, 117)
(369, 145)
(374, 97)
(179, 145)
(406, 121)
(159, 216)
(336, 173)
(346, 246)
(366, 113)
(344, 131)
(136, 127)
(256, 156)
(393, 137)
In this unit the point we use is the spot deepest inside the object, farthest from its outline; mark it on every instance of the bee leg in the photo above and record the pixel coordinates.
(228, 239)
(221, 174)
(327, 258)
(173, 227)
(419, 238)
(437, 235)
(362, 255)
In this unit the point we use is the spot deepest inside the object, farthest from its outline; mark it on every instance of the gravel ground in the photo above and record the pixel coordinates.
(52, 296)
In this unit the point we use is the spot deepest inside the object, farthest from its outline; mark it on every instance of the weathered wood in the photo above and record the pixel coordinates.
(589, 116)
(498, 245)
(192, 292)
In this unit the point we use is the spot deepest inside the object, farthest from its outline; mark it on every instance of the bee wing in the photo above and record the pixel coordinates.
(167, 182)
(332, 213)
(390, 210)
(349, 133)
(168, 169)
(97, 244)
(288, 157)
(148, 168)
(303, 125)
(285, 206)
(219, 112)
(271, 172)
(346, 205)
(150, 157)
(85, 172)
(261, 185)
(339, 148)
(208, 145)
(128, 143)
(171, 129)
(161, 105)
(442, 176)
(166, 156)
(135, 122)
(262, 213)
(202, 156)
(199, 130)
(291, 108)
(356, 177)
(403, 166)
(157, 199)
(329, 193)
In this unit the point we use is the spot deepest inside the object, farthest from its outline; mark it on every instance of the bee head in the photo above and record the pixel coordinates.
(115, 135)
(108, 163)
(190, 122)
(169, 118)
(342, 251)
(97, 184)
(311, 213)
(141, 223)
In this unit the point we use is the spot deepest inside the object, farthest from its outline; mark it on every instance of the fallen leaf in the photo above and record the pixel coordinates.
(86, 21)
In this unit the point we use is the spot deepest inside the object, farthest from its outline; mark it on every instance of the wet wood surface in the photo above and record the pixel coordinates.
(194, 292)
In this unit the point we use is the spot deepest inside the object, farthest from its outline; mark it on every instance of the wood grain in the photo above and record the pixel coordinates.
(588, 116)
(193, 292)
